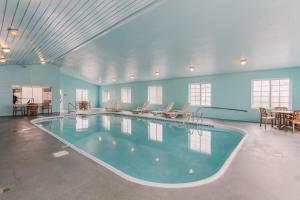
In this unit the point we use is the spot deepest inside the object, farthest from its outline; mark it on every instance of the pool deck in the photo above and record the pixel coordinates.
(266, 167)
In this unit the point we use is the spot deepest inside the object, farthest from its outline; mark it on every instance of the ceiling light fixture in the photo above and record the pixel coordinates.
(13, 31)
(157, 73)
(243, 61)
(192, 68)
(2, 60)
(6, 49)
(131, 76)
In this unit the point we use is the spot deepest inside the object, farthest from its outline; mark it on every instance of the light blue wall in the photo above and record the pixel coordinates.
(47, 75)
(228, 90)
(69, 85)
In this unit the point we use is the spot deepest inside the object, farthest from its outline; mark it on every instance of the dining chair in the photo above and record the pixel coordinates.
(264, 115)
(278, 116)
(46, 105)
(32, 109)
(296, 119)
(17, 109)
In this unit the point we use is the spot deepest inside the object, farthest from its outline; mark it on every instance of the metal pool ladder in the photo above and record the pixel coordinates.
(195, 118)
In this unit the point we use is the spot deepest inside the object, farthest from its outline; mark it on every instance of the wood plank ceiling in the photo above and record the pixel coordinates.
(49, 29)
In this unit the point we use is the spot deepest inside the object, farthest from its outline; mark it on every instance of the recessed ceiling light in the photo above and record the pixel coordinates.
(157, 73)
(192, 68)
(6, 49)
(243, 61)
(13, 31)
(2, 60)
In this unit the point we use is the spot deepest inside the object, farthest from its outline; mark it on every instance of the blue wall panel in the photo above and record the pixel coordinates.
(228, 90)
(43, 75)
(69, 85)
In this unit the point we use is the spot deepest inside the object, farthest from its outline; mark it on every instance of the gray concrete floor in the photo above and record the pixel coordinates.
(266, 167)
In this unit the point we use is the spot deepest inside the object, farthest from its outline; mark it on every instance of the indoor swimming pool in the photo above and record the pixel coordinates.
(148, 151)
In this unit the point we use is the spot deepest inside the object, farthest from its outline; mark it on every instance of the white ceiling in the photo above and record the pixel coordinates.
(96, 42)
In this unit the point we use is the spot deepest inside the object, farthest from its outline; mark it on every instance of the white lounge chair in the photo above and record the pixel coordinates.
(143, 109)
(183, 112)
(118, 107)
(108, 106)
(167, 109)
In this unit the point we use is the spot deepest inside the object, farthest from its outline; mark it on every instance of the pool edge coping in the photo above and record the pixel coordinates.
(123, 175)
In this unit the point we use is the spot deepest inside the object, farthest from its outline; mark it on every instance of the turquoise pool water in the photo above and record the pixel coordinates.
(148, 149)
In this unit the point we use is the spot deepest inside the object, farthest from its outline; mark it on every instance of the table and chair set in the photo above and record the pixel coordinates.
(281, 118)
(31, 109)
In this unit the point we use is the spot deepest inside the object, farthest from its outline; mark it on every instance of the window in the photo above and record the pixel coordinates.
(155, 95)
(200, 94)
(126, 95)
(105, 95)
(155, 132)
(82, 123)
(271, 93)
(106, 122)
(200, 141)
(82, 95)
(34, 94)
(126, 126)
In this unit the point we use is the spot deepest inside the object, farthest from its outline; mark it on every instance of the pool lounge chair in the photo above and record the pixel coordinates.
(118, 107)
(183, 112)
(167, 109)
(108, 106)
(143, 109)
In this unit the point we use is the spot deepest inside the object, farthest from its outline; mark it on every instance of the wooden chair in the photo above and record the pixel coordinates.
(278, 117)
(17, 109)
(83, 105)
(264, 115)
(32, 109)
(46, 105)
(296, 119)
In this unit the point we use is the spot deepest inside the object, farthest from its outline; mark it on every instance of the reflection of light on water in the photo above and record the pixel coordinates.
(126, 126)
(157, 159)
(132, 149)
(82, 123)
(200, 141)
(191, 171)
(106, 122)
(100, 138)
(114, 142)
(155, 132)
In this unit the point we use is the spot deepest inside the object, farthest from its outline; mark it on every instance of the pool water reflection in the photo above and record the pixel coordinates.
(148, 149)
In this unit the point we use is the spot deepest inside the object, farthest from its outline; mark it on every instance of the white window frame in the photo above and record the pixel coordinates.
(204, 97)
(270, 94)
(105, 95)
(82, 94)
(157, 99)
(126, 94)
